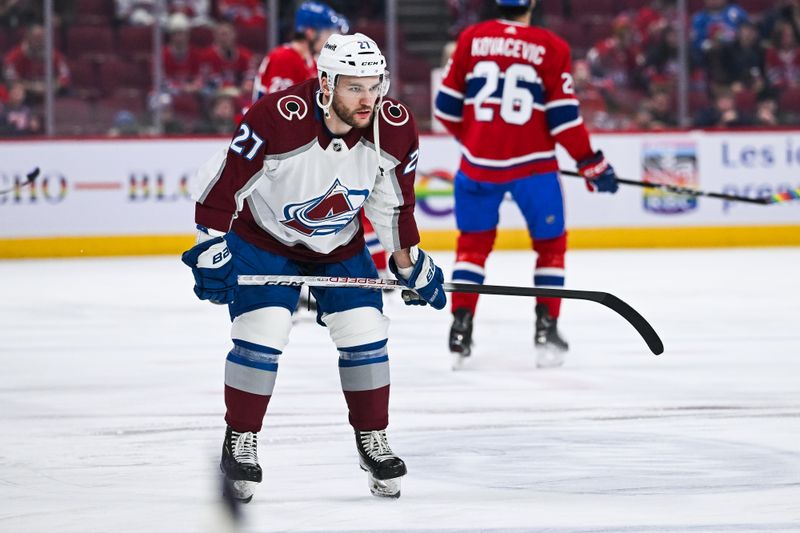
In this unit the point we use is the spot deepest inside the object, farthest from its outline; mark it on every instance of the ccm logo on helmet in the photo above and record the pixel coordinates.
(330, 46)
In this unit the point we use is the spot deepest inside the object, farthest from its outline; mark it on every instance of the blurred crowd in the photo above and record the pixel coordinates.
(744, 67)
(744, 63)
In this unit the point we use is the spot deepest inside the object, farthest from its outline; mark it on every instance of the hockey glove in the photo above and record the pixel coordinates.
(424, 277)
(212, 265)
(598, 173)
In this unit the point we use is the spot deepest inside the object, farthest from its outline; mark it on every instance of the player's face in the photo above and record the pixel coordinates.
(354, 99)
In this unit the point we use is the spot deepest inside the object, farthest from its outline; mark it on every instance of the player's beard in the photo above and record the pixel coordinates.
(349, 117)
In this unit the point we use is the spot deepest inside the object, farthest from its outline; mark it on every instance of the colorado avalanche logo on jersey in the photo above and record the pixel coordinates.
(394, 114)
(326, 214)
(292, 106)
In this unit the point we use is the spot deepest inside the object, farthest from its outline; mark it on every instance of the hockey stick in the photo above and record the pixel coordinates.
(609, 300)
(30, 177)
(682, 190)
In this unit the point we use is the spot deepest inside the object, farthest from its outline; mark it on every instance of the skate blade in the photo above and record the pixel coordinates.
(384, 488)
(242, 490)
(549, 357)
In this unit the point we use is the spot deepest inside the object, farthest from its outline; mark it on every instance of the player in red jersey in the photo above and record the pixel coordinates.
(292, 63)
(284, 198)
(508, 98)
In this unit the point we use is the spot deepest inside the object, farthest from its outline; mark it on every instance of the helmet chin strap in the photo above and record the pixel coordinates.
(326, 108)
(376, 130)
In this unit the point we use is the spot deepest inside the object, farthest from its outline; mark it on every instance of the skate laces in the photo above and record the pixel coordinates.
(245, 447)
(376, 445)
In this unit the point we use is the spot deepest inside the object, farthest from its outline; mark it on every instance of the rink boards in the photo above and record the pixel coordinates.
(131, 197)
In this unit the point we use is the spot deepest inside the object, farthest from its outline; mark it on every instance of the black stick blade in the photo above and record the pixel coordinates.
(617, 305)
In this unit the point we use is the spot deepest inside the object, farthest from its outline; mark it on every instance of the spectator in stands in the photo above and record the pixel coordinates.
(16, 118)
(25, 64)
(221, 118)
(591, 95)
(783, 58)
(243, 13)
(723, 114)
(713, 58)
(745, 58)
(616, 58)
(181, 60)
(143, 12)
(18, 13)
(661, 55)
(198, 11)
(652, 19)
(125, 125)
(785, 11)
(226, 63)
(662, 110)
(766, 112)
(23, 13)
(643, 119)
(719, 20)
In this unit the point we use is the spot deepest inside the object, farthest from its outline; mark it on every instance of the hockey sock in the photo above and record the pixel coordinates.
(549, 270)
(250, 371)
(364, 372)
(472, 250)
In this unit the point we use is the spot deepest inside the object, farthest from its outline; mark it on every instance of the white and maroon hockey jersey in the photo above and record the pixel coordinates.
(281, 68)
(508, 97)
(287, 185)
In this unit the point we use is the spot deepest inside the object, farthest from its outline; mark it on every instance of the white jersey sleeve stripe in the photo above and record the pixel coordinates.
(500, 163)
(452, 92)
(567, 125)
(560, 102)
(444, 116)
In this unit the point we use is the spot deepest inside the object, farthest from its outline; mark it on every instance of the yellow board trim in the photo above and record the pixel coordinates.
(95, 246)
(672, 237)
(507, 239)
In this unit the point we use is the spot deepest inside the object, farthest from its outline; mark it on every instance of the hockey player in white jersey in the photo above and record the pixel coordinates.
(284, 200)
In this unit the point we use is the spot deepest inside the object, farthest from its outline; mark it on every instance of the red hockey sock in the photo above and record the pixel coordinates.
(245, 410)
(369, 409)
(472, 250)
(549, 270)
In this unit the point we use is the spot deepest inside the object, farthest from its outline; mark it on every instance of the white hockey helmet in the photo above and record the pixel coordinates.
(351, 55)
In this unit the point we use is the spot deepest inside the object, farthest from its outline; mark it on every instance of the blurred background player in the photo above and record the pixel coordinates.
(295, 62)
(292, 63)
(327, 144)
(508, 97)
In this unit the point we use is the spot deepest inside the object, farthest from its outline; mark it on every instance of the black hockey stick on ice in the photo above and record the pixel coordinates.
(682, 190)
(30, 177)
(627, 312)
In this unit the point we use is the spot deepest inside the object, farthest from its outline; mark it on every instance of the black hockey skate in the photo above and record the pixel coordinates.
(550, 346)
(461, 336)
(383, 467)
(240, 463)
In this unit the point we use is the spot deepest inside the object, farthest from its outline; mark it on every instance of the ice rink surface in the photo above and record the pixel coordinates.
(111, 405)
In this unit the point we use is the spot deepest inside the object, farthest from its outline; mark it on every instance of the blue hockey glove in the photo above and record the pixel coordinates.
(212, 265)
(598, 173)
(425, 279)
